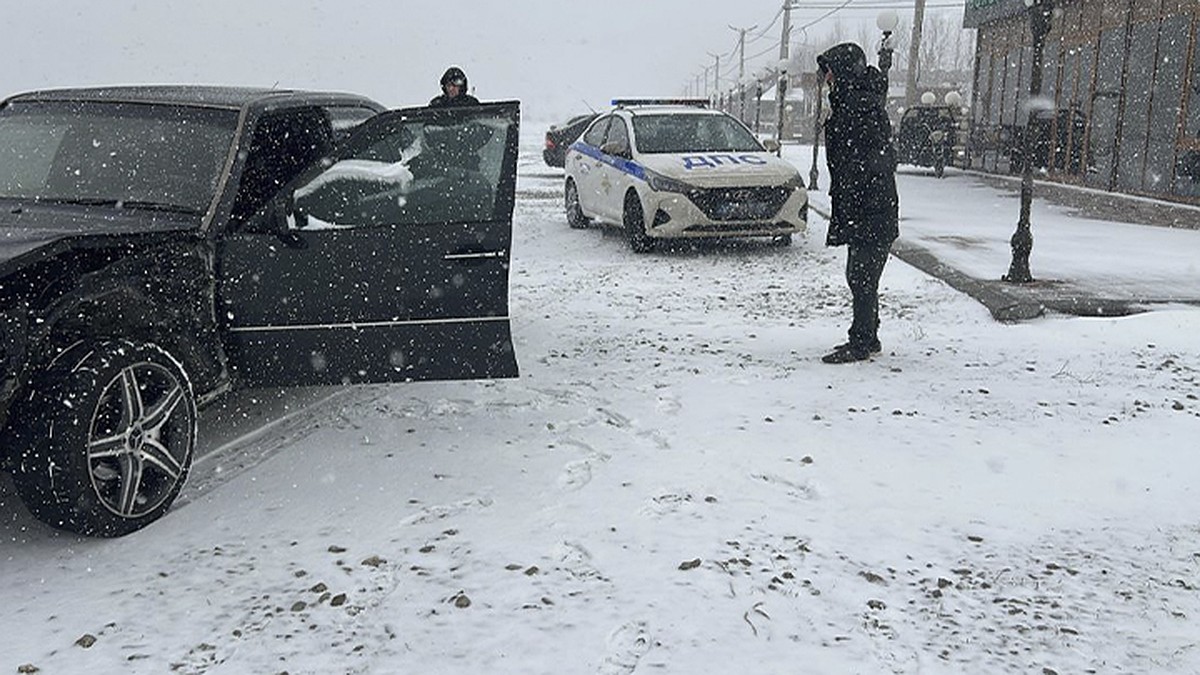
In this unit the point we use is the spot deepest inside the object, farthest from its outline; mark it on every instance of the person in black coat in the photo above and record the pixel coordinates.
(454, 90)
(862, 168)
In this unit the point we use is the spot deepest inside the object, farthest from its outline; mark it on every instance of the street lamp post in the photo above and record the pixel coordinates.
(814, 173)
(758, 92)
(886, 21)
(1040, 12)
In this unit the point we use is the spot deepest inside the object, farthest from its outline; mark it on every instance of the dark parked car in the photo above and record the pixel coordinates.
(928, 136)
(560, 137)
(160, 245)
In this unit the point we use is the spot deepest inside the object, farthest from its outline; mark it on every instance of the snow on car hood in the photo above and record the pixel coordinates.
(722, 169)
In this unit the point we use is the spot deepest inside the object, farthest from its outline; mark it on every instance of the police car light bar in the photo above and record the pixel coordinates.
(627, 102)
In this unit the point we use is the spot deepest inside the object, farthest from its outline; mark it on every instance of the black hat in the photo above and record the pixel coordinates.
(844, 60)
(454, 75)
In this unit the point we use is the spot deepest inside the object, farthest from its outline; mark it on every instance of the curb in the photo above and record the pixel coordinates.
(1008, 303)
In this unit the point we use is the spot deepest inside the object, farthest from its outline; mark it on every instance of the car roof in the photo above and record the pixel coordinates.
(193, 95)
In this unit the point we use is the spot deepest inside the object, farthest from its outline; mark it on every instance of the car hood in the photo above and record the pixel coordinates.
(44, 229)
(722, 169)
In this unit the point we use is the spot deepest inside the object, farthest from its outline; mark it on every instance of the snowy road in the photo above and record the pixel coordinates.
(675, 484)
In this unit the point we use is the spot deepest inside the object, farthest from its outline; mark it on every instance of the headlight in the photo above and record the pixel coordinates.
(660, 183)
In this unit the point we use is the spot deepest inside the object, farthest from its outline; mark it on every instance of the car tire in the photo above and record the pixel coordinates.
(782, 240)
(107, 438)
(575, 217)
(635, 225)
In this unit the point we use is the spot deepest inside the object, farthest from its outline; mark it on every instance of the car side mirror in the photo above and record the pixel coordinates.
(275, 221)
(771, 145)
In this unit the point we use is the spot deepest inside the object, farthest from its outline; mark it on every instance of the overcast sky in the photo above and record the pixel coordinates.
(553, 55)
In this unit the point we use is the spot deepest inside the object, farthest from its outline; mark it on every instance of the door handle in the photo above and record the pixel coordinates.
(468, 255)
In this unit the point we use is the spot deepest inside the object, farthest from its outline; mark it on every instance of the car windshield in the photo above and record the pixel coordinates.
(120, 154)
(692, 133)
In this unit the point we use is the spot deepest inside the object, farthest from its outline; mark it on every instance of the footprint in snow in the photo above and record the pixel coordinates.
(576, 474)
(626, 646)
(798, 490)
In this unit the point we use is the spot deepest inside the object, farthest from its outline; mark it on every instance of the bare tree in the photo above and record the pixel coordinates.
(946, 46)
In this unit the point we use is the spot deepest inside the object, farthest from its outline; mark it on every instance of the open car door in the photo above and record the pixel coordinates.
(386, 261)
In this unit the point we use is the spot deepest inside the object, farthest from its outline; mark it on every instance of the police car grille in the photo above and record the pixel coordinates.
(740, 203)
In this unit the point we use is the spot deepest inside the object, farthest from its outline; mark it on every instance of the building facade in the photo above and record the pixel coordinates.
(1121, 94)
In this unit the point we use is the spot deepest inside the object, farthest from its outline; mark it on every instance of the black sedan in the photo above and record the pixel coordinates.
(160, 245)
(559, 137)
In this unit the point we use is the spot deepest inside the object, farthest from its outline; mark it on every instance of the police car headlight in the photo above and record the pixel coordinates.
(660, 183)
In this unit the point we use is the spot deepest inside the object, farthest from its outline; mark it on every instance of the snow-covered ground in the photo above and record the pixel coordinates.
(677, 484)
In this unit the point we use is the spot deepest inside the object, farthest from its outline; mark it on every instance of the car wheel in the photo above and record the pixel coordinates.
(635, 225)
(782, 240)
(108, 437)
(575, 217)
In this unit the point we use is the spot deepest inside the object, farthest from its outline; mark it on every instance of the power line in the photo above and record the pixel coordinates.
(826, 15)
(833, 7)
(890, 4)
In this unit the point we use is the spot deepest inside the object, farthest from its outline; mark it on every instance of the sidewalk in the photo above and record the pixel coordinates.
(1094, 253)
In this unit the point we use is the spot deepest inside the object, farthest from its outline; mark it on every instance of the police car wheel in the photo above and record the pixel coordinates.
(575, 217)
(635, 225)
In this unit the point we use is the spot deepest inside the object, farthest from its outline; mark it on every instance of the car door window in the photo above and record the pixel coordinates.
(410, 170)
(618, 136)
(283, 145)
(595, 135)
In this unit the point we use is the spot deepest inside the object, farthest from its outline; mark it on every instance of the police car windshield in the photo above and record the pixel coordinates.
(676, 133)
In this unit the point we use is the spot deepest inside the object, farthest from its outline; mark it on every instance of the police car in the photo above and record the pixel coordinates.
(677, 170)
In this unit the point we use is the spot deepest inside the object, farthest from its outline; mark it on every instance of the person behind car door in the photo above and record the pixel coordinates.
(454, 90)
(862, 169)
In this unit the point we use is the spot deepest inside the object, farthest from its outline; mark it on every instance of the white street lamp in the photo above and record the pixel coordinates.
(886, 21)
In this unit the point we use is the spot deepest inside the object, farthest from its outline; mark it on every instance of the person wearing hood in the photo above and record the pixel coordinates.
(862, 168)
(454, 90)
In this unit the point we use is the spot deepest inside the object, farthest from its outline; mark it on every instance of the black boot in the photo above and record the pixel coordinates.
(874, 348)
(847, 354)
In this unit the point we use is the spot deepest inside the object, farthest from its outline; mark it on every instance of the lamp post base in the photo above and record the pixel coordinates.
(1022, 246)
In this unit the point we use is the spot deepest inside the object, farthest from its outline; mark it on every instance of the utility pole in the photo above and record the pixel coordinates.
(914, 55)
(716, 74)
(742, 49)
(781, 79)
(742, 67)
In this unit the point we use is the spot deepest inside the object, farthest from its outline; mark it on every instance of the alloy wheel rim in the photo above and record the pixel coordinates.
(139, 440)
